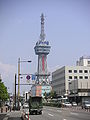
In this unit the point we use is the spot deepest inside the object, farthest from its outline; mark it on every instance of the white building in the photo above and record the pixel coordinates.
(73, 80)
(84, 61)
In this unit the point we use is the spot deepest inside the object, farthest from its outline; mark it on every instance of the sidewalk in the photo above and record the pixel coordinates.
(4, 109)
(3, 113)
(13, 115)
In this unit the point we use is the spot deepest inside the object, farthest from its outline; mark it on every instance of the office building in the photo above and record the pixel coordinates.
(73, 81)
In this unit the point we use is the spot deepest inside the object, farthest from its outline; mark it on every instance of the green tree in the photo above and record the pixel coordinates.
(3, 92)
(52, 94)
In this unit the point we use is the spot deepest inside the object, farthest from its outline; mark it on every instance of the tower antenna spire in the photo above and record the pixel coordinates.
(42, 35)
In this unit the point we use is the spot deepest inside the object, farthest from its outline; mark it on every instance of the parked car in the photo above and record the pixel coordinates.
(74, 104)
(86, 104)
(67, 104)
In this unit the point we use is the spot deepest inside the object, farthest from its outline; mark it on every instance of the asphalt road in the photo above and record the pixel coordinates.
(51, 113)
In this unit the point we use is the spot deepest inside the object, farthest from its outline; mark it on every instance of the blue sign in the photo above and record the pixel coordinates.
(44, 42)
(33, 77)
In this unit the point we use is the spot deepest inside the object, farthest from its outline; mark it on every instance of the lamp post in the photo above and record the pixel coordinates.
(19, 77)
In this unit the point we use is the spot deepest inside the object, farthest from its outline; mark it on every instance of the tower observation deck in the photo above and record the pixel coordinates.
(42, 49)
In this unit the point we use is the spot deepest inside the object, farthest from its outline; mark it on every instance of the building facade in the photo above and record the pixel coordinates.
(73, 80)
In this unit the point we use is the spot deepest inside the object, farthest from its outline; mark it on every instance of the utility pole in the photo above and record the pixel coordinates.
(19, 61)
(18, 81)
(15, 91)
(18, 77)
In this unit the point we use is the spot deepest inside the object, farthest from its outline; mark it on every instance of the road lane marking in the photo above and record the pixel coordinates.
(49, 109)
(72, 113)
(64, 119)
(59, 111)
(8, 114)
(50, 114)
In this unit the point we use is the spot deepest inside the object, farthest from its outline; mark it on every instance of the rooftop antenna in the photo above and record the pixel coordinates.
(42, 35)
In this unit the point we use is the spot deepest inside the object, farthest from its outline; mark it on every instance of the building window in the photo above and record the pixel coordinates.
(75, 77)
(85, 71)
(70, 71)
(80, 71)
(88, 62)
(70, 77)
(75, 71)
(86, 77)
(80, 77)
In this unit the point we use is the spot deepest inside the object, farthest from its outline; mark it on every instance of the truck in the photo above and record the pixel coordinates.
(35, 105)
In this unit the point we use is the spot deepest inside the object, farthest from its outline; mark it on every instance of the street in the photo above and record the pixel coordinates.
(50, 113)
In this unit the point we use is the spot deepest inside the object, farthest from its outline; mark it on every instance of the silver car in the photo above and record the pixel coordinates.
(74, 104)
(86, 104)
(67, 104)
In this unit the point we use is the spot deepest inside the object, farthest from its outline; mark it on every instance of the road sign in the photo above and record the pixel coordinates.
(28, 77)
(33, 77)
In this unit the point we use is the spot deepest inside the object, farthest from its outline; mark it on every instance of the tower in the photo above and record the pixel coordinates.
(42, 49)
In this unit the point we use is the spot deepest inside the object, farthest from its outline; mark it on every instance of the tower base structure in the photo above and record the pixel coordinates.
(40, 90)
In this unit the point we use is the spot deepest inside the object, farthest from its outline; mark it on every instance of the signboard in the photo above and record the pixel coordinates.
(31, 78)
(28, 77)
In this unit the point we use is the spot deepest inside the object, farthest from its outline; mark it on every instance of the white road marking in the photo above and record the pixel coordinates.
(59, 111)
(64, 119)
(8, 114)
(49, 109)
(73, 113)
(50, 114)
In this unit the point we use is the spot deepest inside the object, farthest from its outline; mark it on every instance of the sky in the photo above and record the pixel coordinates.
(67, 28)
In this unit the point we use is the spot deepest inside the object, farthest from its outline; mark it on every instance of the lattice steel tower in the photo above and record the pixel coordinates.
(42, 49)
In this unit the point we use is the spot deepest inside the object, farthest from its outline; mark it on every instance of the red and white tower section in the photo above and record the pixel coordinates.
(42, 49)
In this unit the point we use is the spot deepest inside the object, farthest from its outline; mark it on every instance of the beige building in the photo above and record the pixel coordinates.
(73, 81)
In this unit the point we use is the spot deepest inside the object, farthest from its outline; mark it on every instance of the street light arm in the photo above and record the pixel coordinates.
(29, 61)
(26, 61)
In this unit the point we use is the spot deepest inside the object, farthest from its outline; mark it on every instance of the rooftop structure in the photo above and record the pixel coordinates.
(83, 61)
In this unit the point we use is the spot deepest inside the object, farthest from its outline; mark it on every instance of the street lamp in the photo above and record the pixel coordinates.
(19, 75)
